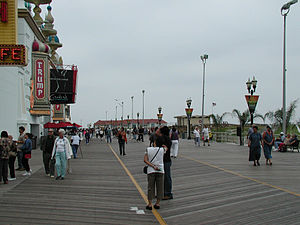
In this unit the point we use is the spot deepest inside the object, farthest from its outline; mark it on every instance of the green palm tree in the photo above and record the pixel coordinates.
(243, 118)
(277, 116)
(218, 122)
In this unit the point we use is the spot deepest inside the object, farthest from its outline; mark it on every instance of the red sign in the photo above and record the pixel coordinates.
(3, 12)
(57, 107)
(40, 79)
(13, 55)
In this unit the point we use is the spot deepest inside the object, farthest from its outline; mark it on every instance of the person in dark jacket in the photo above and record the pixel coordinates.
(165, 132)
(5, 148)
(26, 149)
(47, 147)
(255, 142)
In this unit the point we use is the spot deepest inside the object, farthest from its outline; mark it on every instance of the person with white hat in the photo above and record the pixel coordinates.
(61, 151)
(279, 140)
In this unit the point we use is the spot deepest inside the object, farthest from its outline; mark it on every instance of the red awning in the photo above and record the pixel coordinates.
(61, 124)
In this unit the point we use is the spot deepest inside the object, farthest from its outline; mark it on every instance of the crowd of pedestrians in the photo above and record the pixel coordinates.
(10, 150)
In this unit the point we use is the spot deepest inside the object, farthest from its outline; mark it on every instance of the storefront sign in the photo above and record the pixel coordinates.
(11, 55)
(40, 102)
(3, 11)
(58, 112)
(40, 79)
(63, 86)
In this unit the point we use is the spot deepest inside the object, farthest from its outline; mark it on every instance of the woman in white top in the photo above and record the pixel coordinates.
(155, 173)
(197, 136)
(61, 151)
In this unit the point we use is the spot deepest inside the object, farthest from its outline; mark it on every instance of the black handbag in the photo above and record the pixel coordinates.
(145, 169)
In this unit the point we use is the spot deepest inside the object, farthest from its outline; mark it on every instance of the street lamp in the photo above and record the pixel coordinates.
(284, 11)
(138, 121)
(159, 115)
(189, 112)
(132, 110)
(143, 91)
(251, 99)
(203, 58)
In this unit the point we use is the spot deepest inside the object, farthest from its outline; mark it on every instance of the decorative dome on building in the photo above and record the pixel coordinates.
(38, 46)
(56, 39)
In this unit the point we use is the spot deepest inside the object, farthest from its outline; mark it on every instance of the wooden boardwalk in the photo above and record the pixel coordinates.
(211, 185)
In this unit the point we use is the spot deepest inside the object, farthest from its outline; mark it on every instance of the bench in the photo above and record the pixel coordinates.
(293, 147)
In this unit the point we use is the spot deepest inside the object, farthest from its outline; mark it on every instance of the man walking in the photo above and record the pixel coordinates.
(75, 144)
(47, 147)
(20, 142)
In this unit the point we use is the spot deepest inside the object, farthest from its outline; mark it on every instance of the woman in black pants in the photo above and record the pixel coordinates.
(12, 158)
(26, 148)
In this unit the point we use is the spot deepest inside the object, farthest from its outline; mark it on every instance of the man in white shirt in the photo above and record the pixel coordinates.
(75, 139)
(205, 134)
(197, 136)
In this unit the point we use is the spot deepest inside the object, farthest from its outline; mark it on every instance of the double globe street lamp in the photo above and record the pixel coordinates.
(251, 99)
(189, 112)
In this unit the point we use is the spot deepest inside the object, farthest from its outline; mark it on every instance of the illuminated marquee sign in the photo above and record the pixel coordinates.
(3, 12)
(11, 55)
(40, 86)
(40, 79)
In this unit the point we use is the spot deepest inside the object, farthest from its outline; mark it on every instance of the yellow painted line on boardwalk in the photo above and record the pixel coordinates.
(243, 176)
(138, 187)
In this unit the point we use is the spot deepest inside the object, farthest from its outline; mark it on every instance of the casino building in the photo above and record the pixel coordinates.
(28, 57)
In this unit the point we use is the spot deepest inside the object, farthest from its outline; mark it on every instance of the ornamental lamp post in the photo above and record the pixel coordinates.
(143, 92)
(203, 58)
(284, 11)
(159, 115)
(189, 112)
(251, 99)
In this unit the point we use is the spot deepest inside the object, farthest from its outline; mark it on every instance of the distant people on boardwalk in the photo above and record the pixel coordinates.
(101, 134)
(87, 137)
(289, 141)
(134, 133)
(205, 135)
(175, 142)
(155, 172)
(141, 134)
(20, 142)
(153, 136)
(61, 153)
(47, 147)
(5, 148)
(75, 141)
(164, 132)
(197, 136)
(122, 139)
(255, 142)
(12, 158)
(26, 149)
(108, 134)
(268, 142)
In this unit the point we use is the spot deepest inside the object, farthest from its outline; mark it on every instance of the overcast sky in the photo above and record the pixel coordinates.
(124, 46)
